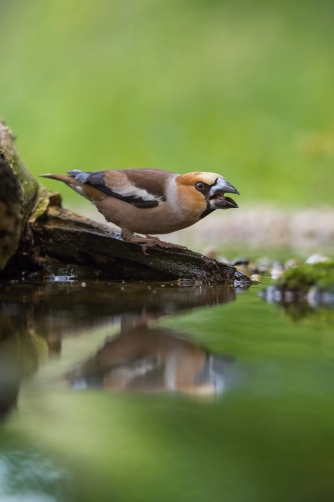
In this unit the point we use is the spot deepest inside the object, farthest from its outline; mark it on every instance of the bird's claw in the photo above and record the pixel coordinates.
(153, 237)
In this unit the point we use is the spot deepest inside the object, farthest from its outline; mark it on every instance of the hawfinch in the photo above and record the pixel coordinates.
(151, 201)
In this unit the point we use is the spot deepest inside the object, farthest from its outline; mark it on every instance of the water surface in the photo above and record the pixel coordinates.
(164, 392)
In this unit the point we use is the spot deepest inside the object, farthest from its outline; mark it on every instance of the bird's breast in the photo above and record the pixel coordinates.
(162, 219)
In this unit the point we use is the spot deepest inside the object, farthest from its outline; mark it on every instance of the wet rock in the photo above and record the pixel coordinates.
(239, 280)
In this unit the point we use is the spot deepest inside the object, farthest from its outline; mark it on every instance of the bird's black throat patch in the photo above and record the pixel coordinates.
(206, 212)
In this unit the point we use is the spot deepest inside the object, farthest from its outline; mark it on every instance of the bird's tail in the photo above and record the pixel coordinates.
(75, 176)
(60, 177)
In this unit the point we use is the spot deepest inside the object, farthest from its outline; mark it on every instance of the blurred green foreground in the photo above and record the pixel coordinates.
(265, 433)
(244, 88)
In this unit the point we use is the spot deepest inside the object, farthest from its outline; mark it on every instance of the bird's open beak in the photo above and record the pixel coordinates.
(217, 195)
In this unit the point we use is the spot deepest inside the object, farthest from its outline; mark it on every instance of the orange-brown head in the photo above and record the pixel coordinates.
(205, 191)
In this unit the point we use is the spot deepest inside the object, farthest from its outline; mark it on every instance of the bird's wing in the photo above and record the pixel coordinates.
(143, 188)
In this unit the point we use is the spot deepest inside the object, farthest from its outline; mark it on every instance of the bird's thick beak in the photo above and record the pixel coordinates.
(217, 195)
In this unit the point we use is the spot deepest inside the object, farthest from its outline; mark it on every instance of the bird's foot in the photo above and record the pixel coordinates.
(151, 241)
(155, 237)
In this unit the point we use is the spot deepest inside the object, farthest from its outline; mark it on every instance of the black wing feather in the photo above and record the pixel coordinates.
(96, 180)
(130, 199)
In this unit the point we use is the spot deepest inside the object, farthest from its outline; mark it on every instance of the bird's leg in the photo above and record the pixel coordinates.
(126, 235)
(163, 244)
(148, 242)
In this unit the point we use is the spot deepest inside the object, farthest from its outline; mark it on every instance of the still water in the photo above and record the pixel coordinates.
(160, 392)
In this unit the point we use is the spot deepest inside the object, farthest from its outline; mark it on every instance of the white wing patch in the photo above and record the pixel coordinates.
(137, 193)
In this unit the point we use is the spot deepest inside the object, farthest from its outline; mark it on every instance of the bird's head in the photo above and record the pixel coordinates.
(207, 190)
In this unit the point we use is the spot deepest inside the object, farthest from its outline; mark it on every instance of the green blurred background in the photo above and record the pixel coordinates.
(243, 88)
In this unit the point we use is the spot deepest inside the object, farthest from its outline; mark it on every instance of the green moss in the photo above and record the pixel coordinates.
(28, 185)
(320, 275)
(43, 201)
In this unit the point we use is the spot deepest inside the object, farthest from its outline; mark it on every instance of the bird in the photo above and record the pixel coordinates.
(151, 201)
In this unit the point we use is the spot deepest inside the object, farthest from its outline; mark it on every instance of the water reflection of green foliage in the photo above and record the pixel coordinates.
(297, 312)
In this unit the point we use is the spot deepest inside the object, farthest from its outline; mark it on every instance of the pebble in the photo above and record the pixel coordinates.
(223, 259)
(316, 258)
(242, 265)
(211, 252)
(264, 263)
(185, 282)
(276, 270)
(292, 263)
(244, 269)
(240, 261)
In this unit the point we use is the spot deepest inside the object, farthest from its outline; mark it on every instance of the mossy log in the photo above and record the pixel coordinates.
(10, 212)
(40, 237)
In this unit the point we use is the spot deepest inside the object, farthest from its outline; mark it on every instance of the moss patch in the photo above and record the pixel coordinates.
(302, 278)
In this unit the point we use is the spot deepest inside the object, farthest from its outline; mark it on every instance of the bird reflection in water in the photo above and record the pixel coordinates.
(34, 319)
(153, 359)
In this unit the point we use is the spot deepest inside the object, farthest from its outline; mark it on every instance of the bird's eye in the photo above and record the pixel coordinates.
(199, 186)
